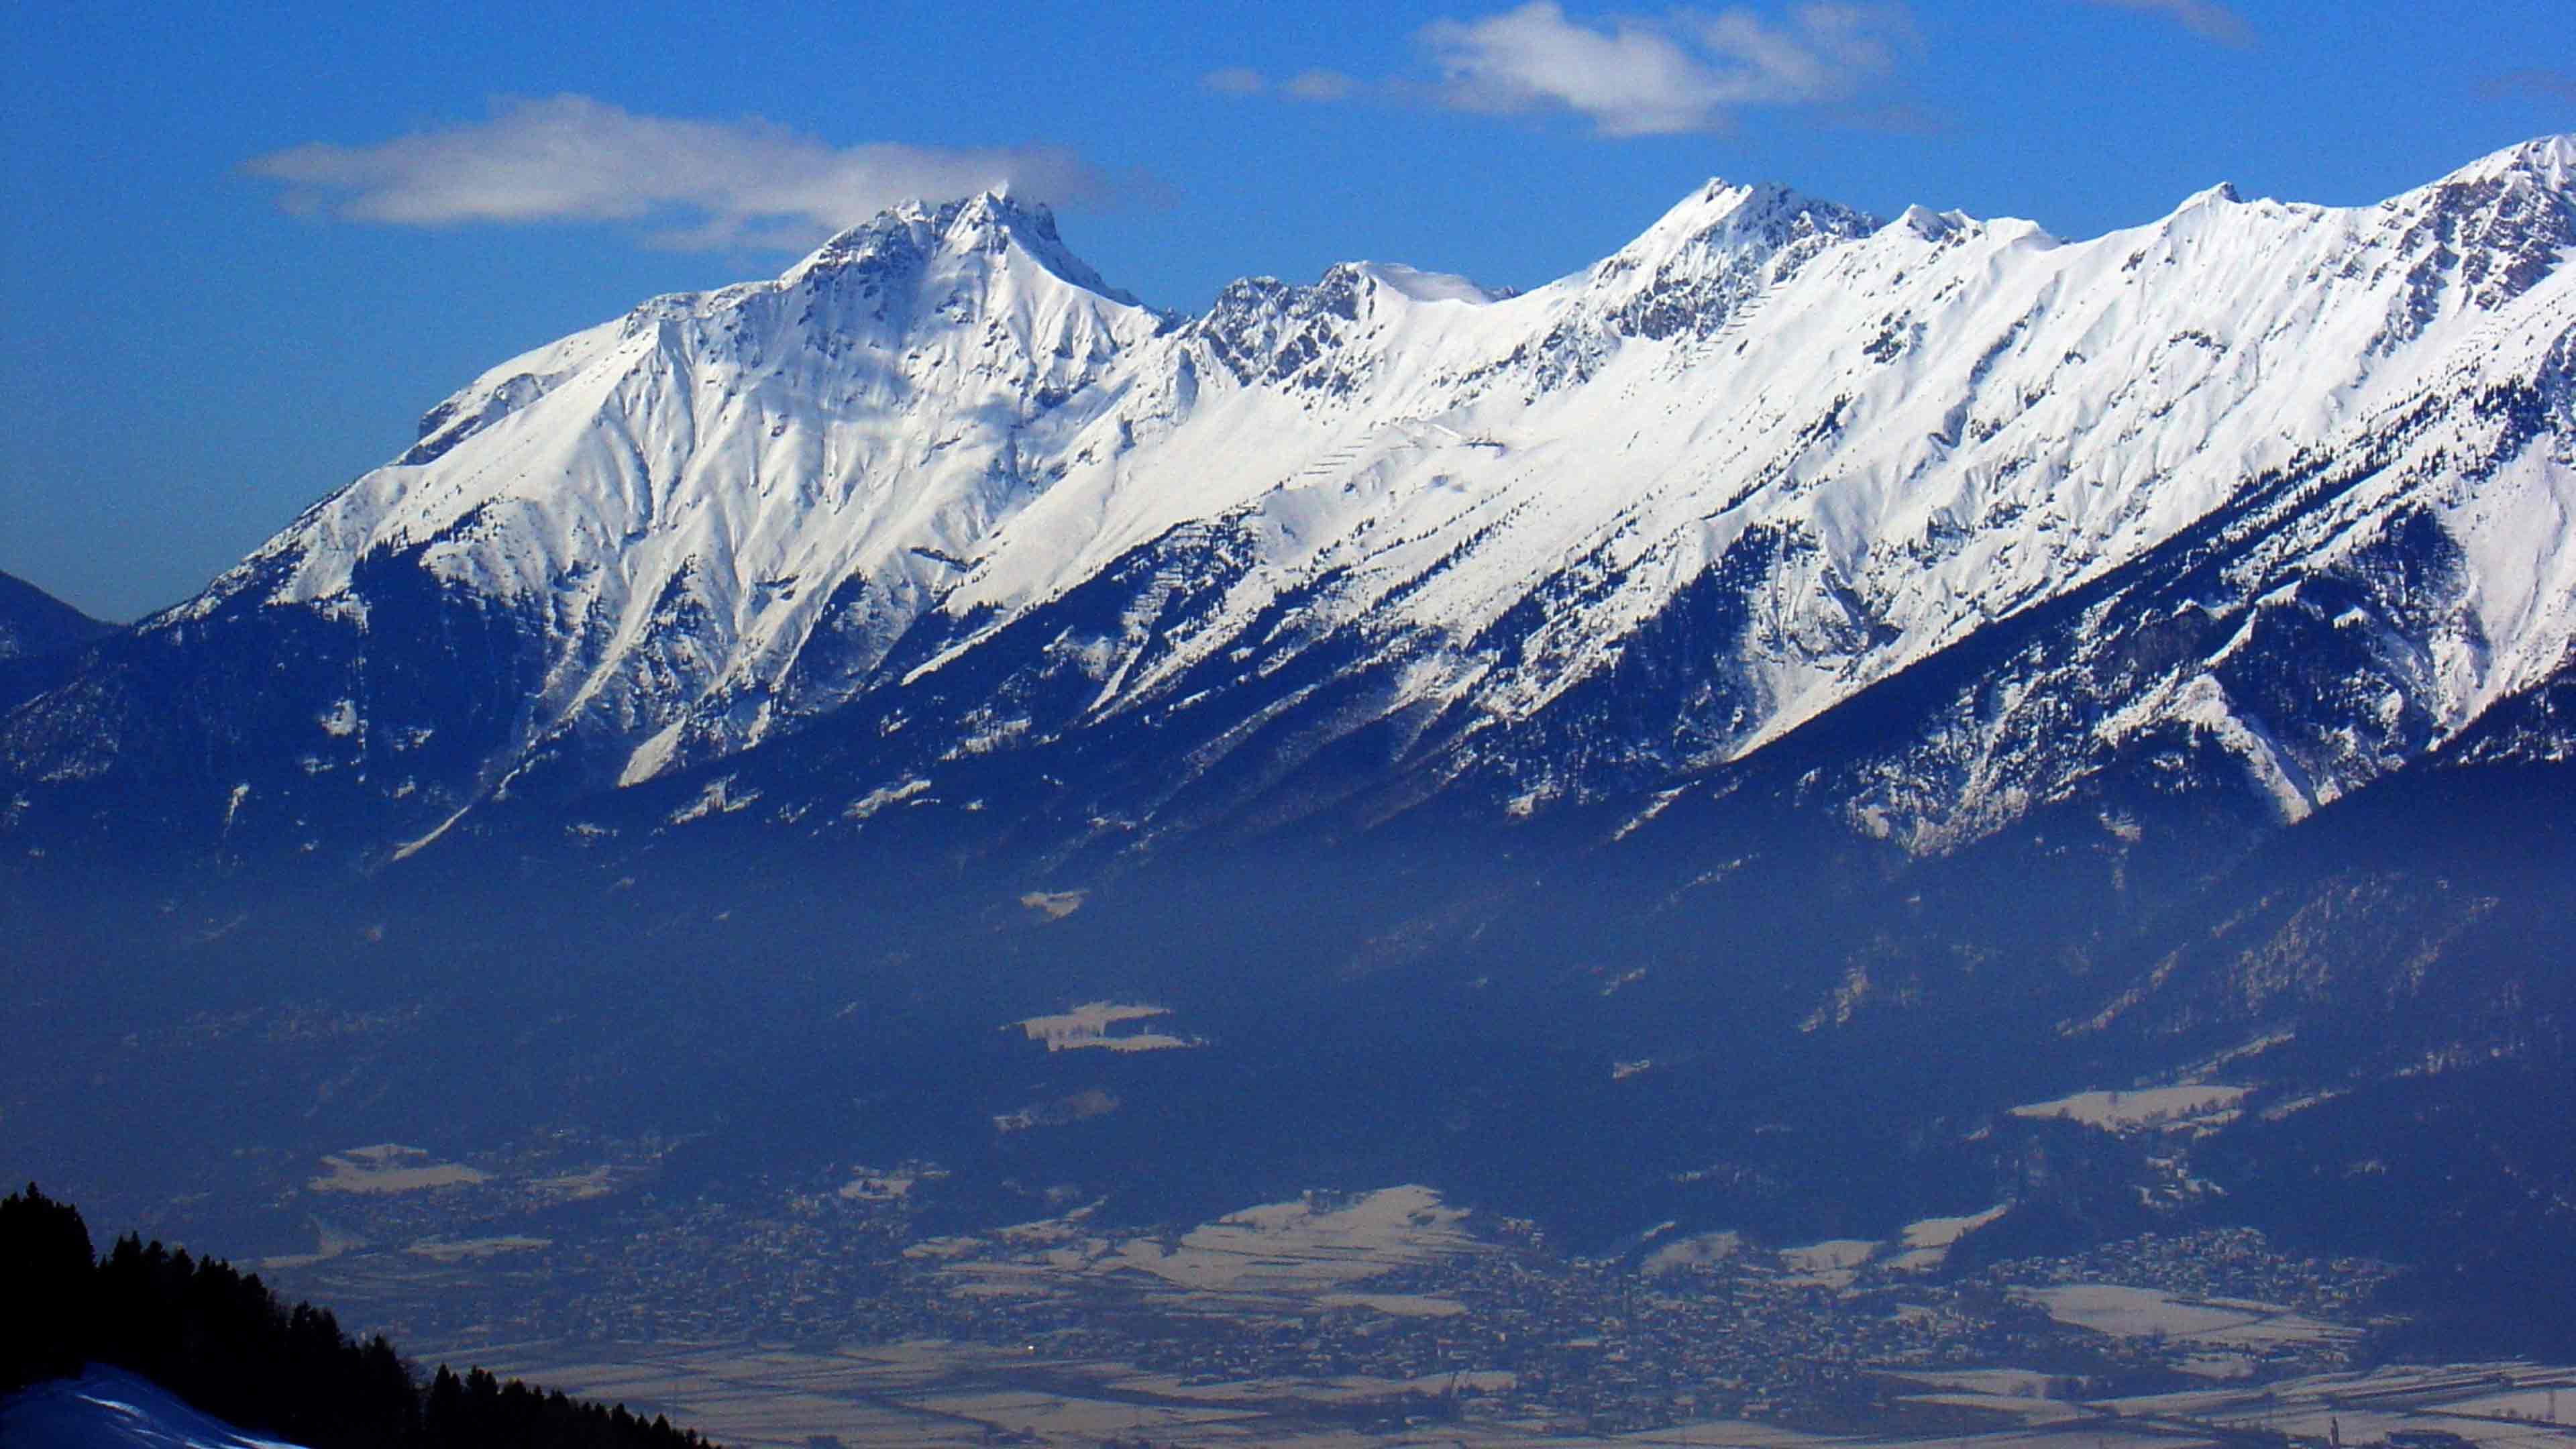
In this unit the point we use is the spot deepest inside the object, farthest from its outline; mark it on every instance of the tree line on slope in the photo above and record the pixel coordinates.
(225, 1343)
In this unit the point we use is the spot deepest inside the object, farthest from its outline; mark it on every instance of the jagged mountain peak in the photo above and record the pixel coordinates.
(1705, 261)
(1415, 284)
(2496, 226)
(2547, 162)
(914, 264)
(1763, 216)
(907, 236)
(1932, 225)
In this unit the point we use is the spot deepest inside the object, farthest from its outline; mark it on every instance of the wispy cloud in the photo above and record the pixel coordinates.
(693, 183)
(1320, 85)
(2551, 85)
(1305, 85)
(2204, 18)
(1235, 80)
(1685, 70)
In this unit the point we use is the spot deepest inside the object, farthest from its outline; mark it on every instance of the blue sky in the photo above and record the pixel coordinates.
(246, 251)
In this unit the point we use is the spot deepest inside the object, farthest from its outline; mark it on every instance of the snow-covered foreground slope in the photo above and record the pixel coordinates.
(941, 486)
(108, 1408)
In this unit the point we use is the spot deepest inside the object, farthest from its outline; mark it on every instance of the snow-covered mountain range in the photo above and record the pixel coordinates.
(2279, 490)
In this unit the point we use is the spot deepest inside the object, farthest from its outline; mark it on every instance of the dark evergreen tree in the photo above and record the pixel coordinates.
(45, 1256)
(222, 1341)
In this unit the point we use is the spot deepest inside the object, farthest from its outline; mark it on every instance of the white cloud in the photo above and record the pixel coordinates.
(2202, 17)
(699, 183)
(1684, 71)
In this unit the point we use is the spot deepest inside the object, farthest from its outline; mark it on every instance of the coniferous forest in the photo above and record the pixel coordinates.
(221, 1340)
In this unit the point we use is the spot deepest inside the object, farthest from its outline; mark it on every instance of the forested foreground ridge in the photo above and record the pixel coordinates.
(221, 1340)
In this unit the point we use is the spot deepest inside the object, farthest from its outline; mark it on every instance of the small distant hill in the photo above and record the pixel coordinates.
(41, 639)
(34, 623)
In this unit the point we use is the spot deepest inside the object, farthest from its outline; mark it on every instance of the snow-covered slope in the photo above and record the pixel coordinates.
(942, 486)
(109, 1408)
(674, 499)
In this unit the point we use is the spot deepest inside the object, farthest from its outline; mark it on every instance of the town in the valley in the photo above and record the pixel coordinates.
(827, 1311)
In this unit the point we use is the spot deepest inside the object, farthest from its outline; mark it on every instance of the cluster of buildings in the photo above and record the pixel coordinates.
(1519, 1331)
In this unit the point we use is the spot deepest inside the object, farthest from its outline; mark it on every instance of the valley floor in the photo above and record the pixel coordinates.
(937, 1392)
(837, 1310)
